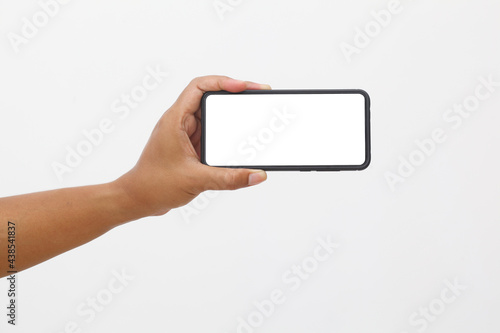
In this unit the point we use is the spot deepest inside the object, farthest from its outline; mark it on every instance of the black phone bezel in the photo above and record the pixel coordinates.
(362, 166)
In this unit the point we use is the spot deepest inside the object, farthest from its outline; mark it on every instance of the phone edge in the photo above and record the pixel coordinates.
(306, 168)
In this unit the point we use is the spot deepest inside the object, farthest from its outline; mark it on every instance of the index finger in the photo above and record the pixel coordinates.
(189, 100)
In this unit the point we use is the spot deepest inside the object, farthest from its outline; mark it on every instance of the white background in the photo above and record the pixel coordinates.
(200, 272)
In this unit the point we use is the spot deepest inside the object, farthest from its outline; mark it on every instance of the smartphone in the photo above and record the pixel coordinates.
(289, 130)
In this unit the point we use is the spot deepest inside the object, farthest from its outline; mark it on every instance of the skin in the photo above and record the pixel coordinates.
(168, 175)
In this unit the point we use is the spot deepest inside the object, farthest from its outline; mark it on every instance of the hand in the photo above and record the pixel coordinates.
(169, 173)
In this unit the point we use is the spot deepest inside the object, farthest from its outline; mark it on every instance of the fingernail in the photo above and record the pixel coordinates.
(256, 177)
(265, 87)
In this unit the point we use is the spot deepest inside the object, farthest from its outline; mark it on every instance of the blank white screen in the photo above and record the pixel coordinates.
(285, 129)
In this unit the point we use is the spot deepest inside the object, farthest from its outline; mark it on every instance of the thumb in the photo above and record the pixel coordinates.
(232, 179)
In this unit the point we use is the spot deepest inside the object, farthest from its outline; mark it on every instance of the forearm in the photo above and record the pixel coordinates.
(52, 222)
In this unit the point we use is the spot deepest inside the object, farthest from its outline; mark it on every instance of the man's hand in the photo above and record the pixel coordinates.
(169, 173)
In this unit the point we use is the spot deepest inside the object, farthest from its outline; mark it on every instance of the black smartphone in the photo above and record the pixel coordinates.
(295, 130)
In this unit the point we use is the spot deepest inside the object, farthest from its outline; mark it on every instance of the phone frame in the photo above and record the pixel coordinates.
(363, 166)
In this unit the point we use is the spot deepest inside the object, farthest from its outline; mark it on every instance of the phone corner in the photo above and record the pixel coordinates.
(205, 95)
(365, 164)
(365, 94)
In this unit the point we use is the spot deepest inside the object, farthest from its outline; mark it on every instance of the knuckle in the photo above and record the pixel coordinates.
(198, 79)
(231, 180)
(194, 82)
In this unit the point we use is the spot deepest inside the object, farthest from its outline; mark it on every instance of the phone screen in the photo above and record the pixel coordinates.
(289, 130)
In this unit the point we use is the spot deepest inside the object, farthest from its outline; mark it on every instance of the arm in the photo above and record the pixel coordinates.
(168, 175)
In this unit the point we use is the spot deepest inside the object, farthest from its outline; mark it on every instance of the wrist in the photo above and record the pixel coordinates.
(130, 201)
